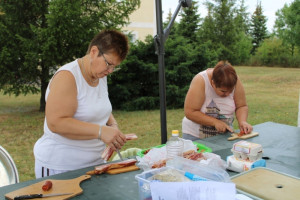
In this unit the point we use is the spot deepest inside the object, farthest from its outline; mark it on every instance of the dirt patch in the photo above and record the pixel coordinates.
(3, 118)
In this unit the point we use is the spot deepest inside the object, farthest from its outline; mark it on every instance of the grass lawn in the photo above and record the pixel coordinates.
(272, 95)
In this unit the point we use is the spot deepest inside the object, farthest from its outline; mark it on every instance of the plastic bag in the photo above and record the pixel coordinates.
(213, 173)
(214, 160)
(155, 155)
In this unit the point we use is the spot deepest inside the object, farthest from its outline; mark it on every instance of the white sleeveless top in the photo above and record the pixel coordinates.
(60, 153)
(222, 108)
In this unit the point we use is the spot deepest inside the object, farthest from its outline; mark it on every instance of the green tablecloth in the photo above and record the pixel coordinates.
(281, 143)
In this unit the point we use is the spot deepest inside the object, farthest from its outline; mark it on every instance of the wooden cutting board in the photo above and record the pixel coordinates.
(58, 186)
(235, 136)
(268, 184)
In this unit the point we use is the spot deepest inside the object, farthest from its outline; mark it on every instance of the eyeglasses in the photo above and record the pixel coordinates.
(110, 66)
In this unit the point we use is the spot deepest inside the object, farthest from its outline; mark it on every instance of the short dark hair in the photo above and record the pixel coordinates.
(224, 75)
(112, 41)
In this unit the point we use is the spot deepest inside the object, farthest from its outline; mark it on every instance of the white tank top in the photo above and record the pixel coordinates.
(57, 152)
(222, 108)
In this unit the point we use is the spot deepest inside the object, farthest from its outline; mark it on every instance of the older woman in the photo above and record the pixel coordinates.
(213, 98)
(79, 122)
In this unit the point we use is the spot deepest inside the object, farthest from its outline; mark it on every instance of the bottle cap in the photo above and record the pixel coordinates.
(175, 132)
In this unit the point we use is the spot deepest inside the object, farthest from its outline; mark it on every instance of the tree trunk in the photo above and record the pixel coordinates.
(42, 99)
(44, 84)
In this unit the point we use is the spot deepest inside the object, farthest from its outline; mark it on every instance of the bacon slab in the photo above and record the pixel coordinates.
(159, 164)
(193, 155)
(108, 152)
(123, 163)
(103, 168)
(131, 136)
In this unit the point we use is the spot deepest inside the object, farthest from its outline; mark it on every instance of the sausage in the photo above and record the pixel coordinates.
(47, 186)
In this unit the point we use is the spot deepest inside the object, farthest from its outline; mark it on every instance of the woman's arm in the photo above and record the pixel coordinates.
(112, 122)
(241, 111)
(193, 103)
(61, 107)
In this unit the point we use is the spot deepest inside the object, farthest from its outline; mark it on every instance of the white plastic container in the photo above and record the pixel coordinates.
(244, 150)
(174, 145)
(238, 165)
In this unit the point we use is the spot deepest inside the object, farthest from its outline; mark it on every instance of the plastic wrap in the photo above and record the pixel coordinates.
(209, 172)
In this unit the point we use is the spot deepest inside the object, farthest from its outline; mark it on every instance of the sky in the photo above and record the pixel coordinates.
(269, 8)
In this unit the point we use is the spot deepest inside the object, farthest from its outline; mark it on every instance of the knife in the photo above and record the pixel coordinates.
(118, 151)
(33, 196)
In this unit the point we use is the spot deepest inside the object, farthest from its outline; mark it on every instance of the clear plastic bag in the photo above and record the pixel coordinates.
(214, 160)
(213, 173)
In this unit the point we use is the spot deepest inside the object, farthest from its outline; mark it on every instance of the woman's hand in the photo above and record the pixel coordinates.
(247, 128)
(222, 127)
(113, 137)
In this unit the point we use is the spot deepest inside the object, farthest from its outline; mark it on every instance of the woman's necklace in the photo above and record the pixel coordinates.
(83, 69)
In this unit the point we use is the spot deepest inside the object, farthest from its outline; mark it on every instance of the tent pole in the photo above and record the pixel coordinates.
(159, 41)
(160, 51)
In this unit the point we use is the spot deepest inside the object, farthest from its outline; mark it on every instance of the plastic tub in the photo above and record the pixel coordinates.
(144, 183)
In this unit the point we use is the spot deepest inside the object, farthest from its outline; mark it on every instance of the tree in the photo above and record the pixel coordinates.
(287, 25)
(184, 57)
(272, 52)
(18, 63)
(207, 28)
(243, 46)
(258, 28)
(189, 23)
(135, 86)
(42, 35)
(223, 26)
(242, 18)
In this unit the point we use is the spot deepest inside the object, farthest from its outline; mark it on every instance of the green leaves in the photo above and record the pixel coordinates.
(287, 26)
(39, 36)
